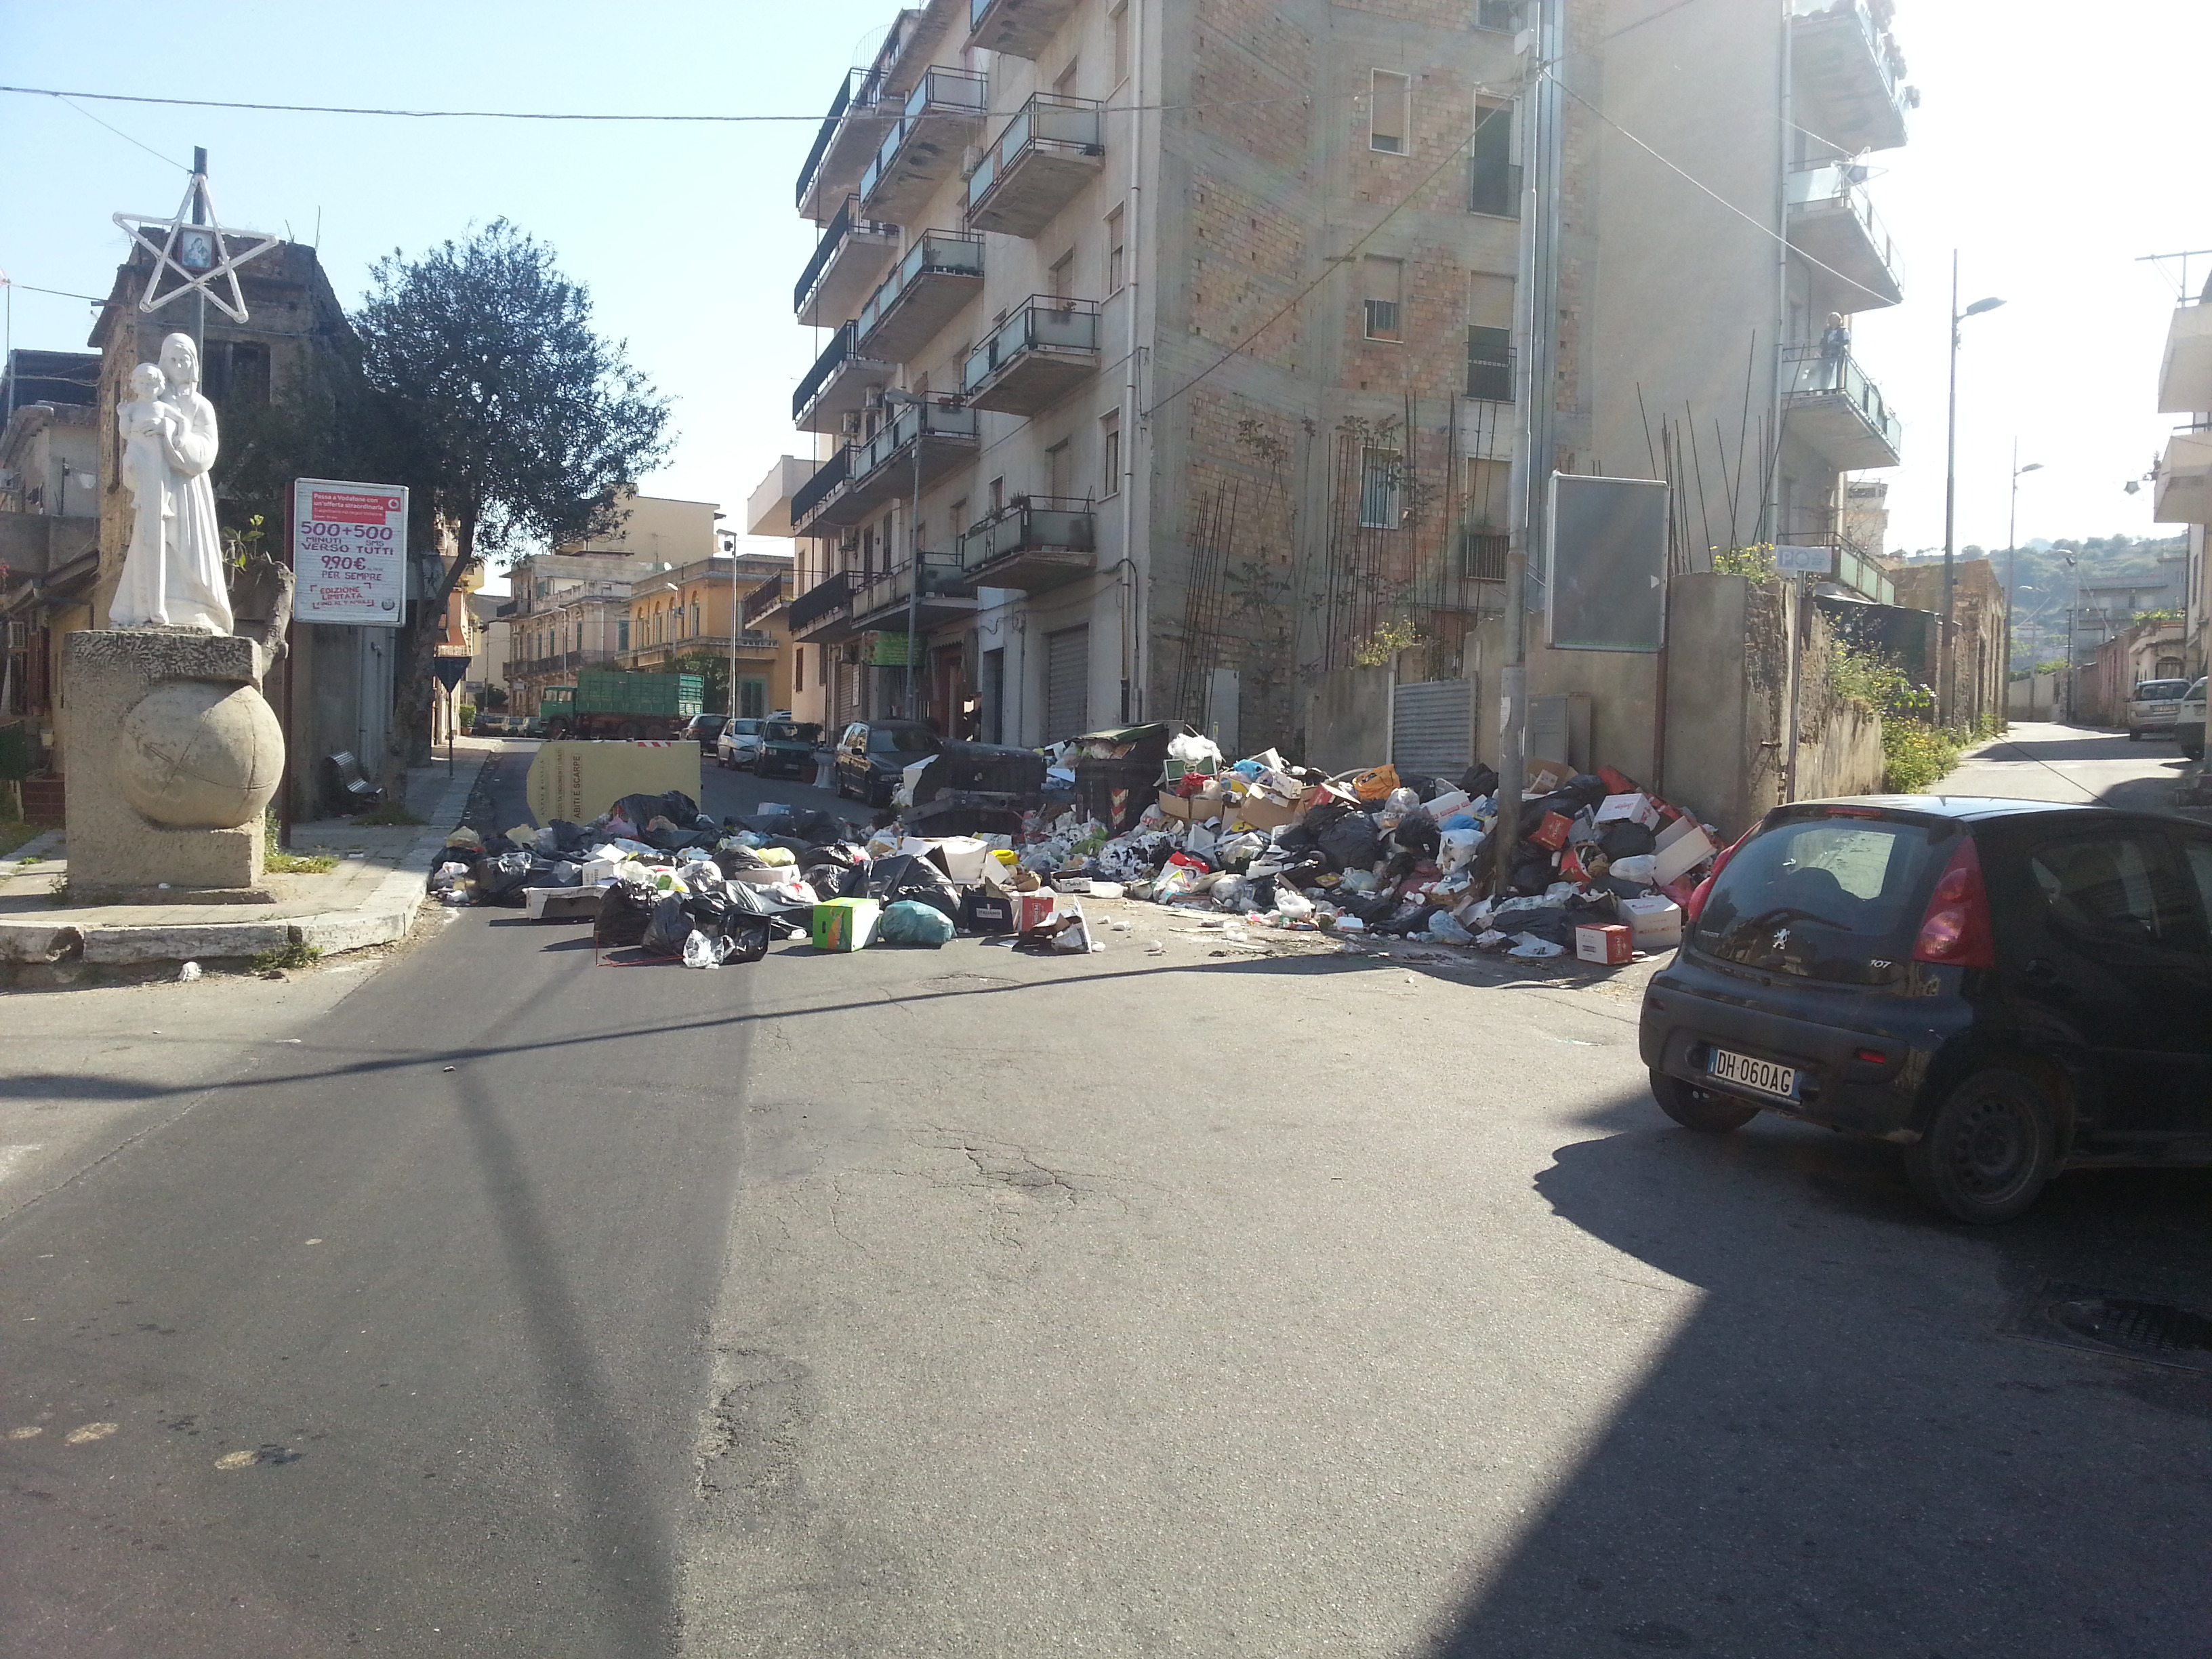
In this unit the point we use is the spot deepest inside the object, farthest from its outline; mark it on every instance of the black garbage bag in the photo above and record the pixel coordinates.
(1304, 870)
(1547, 921)
(671, 925)
(1351, 842)
(831, 881)
(675, 807)
(1532, 870)
(571, 837)
(1424, 786)
(1587, 788)
(750, 936)
(559, 872)
(1624, 839)
(501, 880)
(497, 842)
(1479, 780)
(819, 828)
(731, 860)
(1263, 892)
(901, 876)
(625, 911)
(800, 850)
(1406, 916)
(1417, 832)
(1369, 908)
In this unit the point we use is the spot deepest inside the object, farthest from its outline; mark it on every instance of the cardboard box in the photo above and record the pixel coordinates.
(1258, 812)
(1032, 910)
(562, 903)
(1551, 833)
(1682, 846)
(1207, 804)
(1655, 923)
(1610, 944)
(846, 924)
(1631, 809)
(961, 857)
(984, 911)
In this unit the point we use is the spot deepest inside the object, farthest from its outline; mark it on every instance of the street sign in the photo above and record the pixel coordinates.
(450, 671)
(1805, 561)
(349, 552)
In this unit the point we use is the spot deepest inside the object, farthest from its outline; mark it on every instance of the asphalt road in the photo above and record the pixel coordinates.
(970, 1304)
(2042, 761)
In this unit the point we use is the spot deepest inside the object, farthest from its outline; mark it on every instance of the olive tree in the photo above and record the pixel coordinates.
(519, 424)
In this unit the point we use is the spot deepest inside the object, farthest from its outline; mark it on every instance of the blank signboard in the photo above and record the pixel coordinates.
(1608, 564)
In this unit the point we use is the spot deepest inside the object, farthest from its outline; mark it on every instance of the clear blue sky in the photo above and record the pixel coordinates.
(2055, 145)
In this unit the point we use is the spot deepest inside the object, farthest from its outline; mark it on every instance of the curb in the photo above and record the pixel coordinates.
(37, 848)
(385, 916)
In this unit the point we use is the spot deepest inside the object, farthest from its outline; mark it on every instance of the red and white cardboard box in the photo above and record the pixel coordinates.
(1635, 809)
(1032, 910)
(1655, 923)
(1609, 944)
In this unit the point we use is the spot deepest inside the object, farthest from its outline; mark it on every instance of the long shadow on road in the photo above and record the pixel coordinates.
(1839, 1452)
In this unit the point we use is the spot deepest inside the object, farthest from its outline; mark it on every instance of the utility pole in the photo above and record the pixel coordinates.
(1513, 713)
(199, 211)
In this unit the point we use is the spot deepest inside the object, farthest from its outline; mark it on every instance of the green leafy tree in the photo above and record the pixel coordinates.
(519, 424)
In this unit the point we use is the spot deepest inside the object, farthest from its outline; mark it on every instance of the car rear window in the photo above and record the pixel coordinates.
(2160, 690)
(1827, 898)
(901, 740)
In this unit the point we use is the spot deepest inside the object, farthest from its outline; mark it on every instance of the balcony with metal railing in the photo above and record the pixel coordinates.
(824, 613)
(2181, 491)
(924, 443)
(1830, 403)
(2185, 374)
(847, 264)
(858, 119)
(1045, 349)
(1854, 567)
(1035, 543)
(838, 385)
(1846, 75)
(1050, 149)
(1020, 29)
(931, 284)
(886, 601)
(764, 601)
(941, 117)
(1832, 219)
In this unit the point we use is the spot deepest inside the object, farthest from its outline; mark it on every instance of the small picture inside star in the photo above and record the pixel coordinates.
(196, 250)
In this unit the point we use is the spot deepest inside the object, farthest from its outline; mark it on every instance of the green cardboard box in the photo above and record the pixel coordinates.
(846, 924)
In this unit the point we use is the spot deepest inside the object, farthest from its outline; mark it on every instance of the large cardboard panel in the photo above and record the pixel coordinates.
(577, 781)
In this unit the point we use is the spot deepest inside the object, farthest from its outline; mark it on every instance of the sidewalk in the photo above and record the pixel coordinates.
(370, 898)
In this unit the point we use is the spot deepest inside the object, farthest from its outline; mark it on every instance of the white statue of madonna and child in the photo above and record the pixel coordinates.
(172, 575)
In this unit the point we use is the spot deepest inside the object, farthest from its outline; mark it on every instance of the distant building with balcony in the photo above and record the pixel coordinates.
(722, 618)
(1170, 355)
(2183, 486)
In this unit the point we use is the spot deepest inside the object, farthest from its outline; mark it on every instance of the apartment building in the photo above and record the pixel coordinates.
(2183, 488)
(1177, 354)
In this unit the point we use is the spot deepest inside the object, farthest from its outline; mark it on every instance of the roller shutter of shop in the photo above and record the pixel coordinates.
(1066, 683)
(1432, 727)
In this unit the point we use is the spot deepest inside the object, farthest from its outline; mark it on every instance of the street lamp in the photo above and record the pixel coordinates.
(2012, 551)
(1945, 697)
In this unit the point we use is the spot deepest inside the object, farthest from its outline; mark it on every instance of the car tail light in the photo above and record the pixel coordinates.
(1703, 890)
(1955, 931)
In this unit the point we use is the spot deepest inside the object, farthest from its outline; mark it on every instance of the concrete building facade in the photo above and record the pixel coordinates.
(1184, 347)
(2184, 483)
(694, 616)
(49, 460)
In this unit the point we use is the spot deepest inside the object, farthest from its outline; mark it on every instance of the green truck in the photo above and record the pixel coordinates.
(628, 707)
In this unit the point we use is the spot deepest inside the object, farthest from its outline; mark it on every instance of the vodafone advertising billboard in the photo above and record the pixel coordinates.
(349, 552)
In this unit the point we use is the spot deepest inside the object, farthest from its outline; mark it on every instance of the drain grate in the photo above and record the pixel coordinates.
(2074, 1316)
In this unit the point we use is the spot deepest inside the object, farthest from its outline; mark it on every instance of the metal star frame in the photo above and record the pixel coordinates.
(143, 227)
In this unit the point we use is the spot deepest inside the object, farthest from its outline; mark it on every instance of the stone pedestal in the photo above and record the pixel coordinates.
(172, 756)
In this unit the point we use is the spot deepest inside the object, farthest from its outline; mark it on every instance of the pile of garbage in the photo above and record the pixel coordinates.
(657, 874)
(1602, 868)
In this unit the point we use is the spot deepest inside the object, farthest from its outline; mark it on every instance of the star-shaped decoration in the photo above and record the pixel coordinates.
(194, 252)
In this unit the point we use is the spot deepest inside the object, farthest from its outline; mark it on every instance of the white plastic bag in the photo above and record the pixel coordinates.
(1292, 904)
(1444, 929)
(699, 951)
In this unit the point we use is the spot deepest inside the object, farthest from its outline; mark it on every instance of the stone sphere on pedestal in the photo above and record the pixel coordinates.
(200, 754)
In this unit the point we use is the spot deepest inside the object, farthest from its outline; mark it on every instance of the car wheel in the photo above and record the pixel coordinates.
(1699, 1109)
(1988, 1150)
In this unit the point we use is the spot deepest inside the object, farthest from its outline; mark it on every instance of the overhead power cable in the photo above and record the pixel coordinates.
(552, 115)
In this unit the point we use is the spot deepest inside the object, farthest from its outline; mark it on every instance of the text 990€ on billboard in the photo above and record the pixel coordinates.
(350, 552)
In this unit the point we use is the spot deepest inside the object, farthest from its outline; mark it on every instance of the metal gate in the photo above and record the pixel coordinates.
(1066, 683)
(1432, 727)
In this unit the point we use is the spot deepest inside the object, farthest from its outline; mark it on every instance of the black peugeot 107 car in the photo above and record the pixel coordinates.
(2004, 988)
